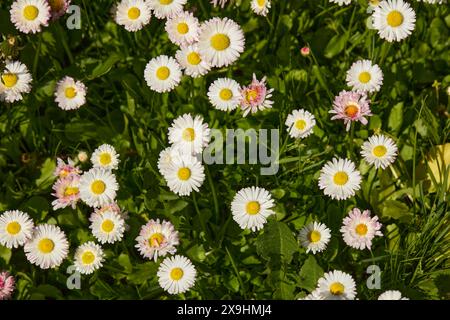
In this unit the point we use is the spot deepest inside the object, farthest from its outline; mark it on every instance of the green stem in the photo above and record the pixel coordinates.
(214, 194)
(237, 273)
(202, 222)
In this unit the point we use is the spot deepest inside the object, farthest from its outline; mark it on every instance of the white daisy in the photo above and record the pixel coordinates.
(98, 187)
(221, 41)
(192, 62)
(162, 74)
(392, 295)
(314, 295)
(225, 94)
(183, 28)
(70, 94)
(300, 123)
(15, 80)
(433, 1)
(133, 14)
(88, 257)
(394, 20)
(30, 15)
(157, 239)
(189, 135)
(48, 246)
(176, 274)
(380, 151)
(165, 160)
(337, 285)
(105, 157)
(16, 227)
(260, 7)
(166, 8)
(251, 207)
(365, 76)
(314, 237)
(185, 174)
(341, 2)
(107, 227)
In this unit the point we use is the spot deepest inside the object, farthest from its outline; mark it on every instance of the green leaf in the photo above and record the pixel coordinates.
(396, 117)
(310, 274)
(48, 291)
(336, 45)
(46, 178)
(5, 254)
(277, 242)
(105, 67)
(396, 210)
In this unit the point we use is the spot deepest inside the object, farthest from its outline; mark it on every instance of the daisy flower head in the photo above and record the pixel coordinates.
(251, 207)
(89, 257)
(341, 2)
(166, 8)
(365, 76)
(82, 156)
(15, 80)
(189, 134)
(7, 285)
(260, 7)
(314, 237)
(359, 229)
(225, 94)
(300, 123)
(48, 246)
(70, 94)
(314, 295)
(157, 239)
(67, 192)
(107, 227)
(66, 169)
(105, 157)
(220, 3)
(29, 16)
(16, 227)
(256, 97)
(185, 175)
(165, 160)
(351, 106)
(337, 285)
(162, 74)
(379, 150)
(339, 179)
(176, 274)
(113, 207)
(305, 51)
(98, 187)
(183, 28)
(221, 41)
(58, 8)
(394, 19)
(192, 61)
(392, 295)
(133, 15)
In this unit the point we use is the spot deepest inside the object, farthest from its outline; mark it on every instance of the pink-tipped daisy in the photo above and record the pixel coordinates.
(157, 239)
(6, 285)
(65, 169)
(256, 96)
(58, 8)
(29, 16)
(359, 229)
(67, 192)
(351, 106)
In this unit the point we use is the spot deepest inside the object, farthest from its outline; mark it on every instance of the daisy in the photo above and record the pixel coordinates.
(107, 227)
(65, 169)
(112, 207)
(70, 94)
(220, 3)
(189, 135)
(251, 207)
(300, 123)
(157, 239)
(394, 20)
(48, 246)
(67, 192)
(30, 15)
(314, 237)
(7, 283)
(162, 74)
(221, 41)
(98, 187)
(165, 160)
(16, 227)
(256, 96)
(185, 174)
(58, 8)
(341, 2)
(133, 14)
(314, 295)
(260, 7)
(434, 1)
(380, 151)
(365, 76)
(105, 157)
(82, 156)
(15, 80)
(392, 295)
(183, 28)
(166, 8)
(192, 62)
(339, 179)
(337, 285)
(176, 274)
(88, 258)
(351, 106)
(225, 94)
(359, 229)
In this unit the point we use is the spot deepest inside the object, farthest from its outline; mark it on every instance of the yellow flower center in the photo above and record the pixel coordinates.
(251, 95)
(194, 58)
(220, 41)
(351, 110)
(162, 73)
(184, 174)
(361, 229)
(87, 257)
(9, 79)
(340, 178)
(70, 92)
(300, 124)
(253, 207)
(107, 226)
(226, 94)
(176, 274)
(165, 1)
(379, 151)
(364, 77)
(314, 236)
(98, 187)
(30, 12)
(156, 239)
(13, 228)
(56, 5)
(337, 288)
(71, 191)
(46, 245)
(189, 134)
(261, 3)
(183, 28)
(134, 13)
(105, 159)
(394, 18)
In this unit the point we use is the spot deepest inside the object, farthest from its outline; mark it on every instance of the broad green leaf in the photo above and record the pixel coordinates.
(309, 274)
(277, 242)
